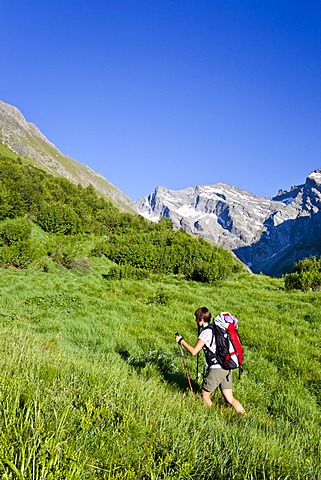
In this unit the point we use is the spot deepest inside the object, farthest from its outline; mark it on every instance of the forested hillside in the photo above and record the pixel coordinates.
(47, 219)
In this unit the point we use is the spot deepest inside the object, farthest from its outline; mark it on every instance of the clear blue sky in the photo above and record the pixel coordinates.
(171, 92)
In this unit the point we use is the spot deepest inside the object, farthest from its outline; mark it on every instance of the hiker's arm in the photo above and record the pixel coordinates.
(189, 348)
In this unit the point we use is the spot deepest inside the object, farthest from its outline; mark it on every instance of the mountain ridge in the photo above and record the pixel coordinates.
(267, 234)
(27, 141)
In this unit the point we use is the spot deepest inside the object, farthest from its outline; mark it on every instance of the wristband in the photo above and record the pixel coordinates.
(180, 340)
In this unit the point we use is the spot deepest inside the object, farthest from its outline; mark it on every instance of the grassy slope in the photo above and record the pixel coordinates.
(93, 387)
(6, 152)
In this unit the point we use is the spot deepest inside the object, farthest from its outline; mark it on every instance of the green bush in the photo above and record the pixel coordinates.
(58, 218)
(306, 275)
(16, 246)
(12, 231)
(308, 264)
(67, 251)
(206, 273)
(164, 251)
(20, 254)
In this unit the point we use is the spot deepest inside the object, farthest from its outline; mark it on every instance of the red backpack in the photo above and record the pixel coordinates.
(229, 350)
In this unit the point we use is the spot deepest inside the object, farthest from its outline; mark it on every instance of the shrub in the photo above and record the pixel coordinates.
(67, 251)
(308, 264)
(166, 251)
(16, 247)
(58, 218)
(20, 254)
(206, 273)
(16, 230)
(306, 275)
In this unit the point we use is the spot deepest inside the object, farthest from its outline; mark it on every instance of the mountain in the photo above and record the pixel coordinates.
(268, 235)
(27, 141)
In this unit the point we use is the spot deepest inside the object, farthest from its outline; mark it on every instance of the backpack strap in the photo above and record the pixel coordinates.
(210, 356)
(212, 327)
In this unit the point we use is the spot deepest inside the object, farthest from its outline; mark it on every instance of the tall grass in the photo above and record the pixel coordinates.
(92, 384)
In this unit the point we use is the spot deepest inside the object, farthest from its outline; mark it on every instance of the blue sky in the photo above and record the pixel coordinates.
(171, 92)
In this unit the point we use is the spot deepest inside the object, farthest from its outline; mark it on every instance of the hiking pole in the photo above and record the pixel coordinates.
(185, 366)
(198, 332)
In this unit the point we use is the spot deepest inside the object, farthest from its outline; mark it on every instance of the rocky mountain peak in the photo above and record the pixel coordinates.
(314, 179)
(15, 131)
(262, 232)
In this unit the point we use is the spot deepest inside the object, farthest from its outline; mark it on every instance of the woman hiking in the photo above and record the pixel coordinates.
(215, 375)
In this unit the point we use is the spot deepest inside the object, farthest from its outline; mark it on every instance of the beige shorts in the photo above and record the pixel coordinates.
(217, 377)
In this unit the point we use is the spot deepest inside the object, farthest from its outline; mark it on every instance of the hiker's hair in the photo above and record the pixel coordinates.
(203, 313)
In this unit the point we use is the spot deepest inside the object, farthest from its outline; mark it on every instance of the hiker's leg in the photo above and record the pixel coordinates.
(227, 392)
(228, 395)
(206, 397)
(210, 382)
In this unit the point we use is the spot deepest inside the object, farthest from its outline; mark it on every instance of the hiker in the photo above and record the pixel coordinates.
(215, 375)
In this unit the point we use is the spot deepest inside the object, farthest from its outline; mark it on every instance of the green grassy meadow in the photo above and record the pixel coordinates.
(92, 384)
